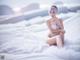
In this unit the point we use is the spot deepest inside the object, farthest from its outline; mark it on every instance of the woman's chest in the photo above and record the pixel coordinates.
(55, 24)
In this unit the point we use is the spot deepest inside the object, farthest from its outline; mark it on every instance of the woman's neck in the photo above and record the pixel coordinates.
(54, 17)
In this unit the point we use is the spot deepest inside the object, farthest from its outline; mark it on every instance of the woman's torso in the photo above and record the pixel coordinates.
(55, 25)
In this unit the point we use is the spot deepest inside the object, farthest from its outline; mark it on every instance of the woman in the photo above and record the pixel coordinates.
(55, 25)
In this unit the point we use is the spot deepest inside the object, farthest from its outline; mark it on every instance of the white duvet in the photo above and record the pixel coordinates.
(20, 42)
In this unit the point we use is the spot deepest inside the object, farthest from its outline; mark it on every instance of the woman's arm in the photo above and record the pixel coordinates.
(56, 30)
(61, 26)
(49, 25)
(51, 29)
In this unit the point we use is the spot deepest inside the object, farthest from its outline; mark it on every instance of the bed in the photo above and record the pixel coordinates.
(26, 40)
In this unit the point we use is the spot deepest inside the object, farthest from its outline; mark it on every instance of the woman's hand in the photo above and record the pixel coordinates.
(51, 41)
(58, 31)
(62, 31)
(55, 31)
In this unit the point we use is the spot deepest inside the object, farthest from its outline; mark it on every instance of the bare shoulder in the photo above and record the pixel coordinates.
(48, 21)
(60, 20)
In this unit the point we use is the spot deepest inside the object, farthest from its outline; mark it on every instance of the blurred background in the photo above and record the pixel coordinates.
(22, 21)
(17, 10)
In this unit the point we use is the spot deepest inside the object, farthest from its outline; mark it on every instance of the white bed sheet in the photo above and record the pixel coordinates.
(19, 43)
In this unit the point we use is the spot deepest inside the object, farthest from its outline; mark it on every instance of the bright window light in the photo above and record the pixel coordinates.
(17, 9)
(43, 6)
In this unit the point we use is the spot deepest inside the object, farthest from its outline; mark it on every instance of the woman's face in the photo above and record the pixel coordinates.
(53, 11)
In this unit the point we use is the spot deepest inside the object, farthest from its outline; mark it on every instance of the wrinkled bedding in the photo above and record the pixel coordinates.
(21, 42)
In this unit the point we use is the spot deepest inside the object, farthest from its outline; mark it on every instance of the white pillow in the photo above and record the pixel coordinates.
(66, 15)
(36, 20)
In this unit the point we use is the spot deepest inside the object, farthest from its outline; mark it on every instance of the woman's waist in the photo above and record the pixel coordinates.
(53, 34)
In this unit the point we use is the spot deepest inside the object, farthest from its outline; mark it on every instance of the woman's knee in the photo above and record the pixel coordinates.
(51, 41)
(50, 35)
(59, 42)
